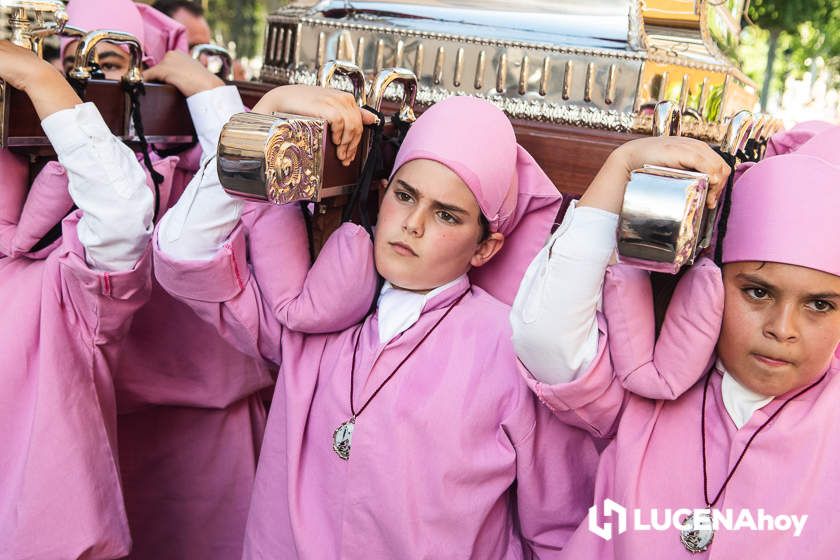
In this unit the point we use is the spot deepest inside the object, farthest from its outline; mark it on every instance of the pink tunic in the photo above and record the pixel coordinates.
(454, 458)
(189, 417)
(191, 406)
(62, 326)
(656, 461)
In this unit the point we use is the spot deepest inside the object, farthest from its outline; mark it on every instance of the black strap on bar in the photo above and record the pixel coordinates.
(726, 203)
(134, 91)
(357, 205)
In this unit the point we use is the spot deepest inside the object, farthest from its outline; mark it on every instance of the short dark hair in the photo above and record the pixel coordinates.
(485, 227)
(169, 7)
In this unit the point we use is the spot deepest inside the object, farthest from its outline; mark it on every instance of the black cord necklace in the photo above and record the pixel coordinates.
(698, 534)
(343, 435)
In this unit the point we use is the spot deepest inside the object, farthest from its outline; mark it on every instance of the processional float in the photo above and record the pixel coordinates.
(576, 81)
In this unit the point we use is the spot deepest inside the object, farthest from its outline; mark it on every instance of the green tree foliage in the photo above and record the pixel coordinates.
(787, 15)
(801, 29)
(241, 21)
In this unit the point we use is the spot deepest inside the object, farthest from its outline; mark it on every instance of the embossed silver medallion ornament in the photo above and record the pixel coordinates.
(343, 438)
(698, 532)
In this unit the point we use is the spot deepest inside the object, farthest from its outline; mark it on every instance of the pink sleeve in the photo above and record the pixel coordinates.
(666, 367)
(555, 478)
(252, 304)
(593, 401)
(223, 292)
(103, 301)
(332, 295)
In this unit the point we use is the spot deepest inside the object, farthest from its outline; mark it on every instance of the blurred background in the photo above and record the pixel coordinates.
(790, 48)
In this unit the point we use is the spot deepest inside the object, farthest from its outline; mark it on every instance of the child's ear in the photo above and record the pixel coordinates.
(487, 249)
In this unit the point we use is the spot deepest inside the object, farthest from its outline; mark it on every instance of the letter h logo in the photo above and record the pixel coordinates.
(610, 508)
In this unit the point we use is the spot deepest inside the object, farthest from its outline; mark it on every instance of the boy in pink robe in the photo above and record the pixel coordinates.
(69, 285)
(752, 440)
(411, 434)
(191, 411)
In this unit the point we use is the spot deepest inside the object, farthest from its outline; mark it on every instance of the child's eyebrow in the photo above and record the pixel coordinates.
(436, 203)
(755, 280)
(110, 54)
(764, 284)
(411, 190)
(450, 208)
(824, 295)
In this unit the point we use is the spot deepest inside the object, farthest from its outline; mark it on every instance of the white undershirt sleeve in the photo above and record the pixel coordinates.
(107, 183)
(555, 329)
(203, 218)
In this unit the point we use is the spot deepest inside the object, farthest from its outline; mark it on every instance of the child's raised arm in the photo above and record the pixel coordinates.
(248, 273)
(666, 366)
(560, 332)
(105, 180)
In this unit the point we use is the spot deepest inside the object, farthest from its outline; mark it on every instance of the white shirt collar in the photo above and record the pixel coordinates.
(399, 309)
(739, 401)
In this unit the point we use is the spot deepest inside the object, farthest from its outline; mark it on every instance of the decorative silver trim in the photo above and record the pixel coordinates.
(398, 54)
(567, 79)
(322, 47)
(655, 54)
(479, 70)
(684, 93)
(380, 55)
(459, 67)
(501, 74)
(439, 59)
(589, 82)
(610, 81)
(546, 76)
(704, 93)
(523, 75)
(418, 59)
(287, 48)
(360, 52)
(298, 39)
(532, 109)
(422, 34)
(636, 36)
(663, 86)
(610, 96)
(667, 119)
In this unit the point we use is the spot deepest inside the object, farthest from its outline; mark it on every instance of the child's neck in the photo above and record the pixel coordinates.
(419, 292)
(427, 290)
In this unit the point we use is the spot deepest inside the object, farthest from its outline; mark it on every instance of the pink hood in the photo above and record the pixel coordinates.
(784, 208)
(157, 32)
(790, 140)
(475, 139)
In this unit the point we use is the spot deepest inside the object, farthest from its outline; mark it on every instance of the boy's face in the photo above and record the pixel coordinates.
(781, 325)
(428, 231)
(113, 61)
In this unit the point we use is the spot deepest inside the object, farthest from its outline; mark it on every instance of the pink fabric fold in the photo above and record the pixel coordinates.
(23, 223)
